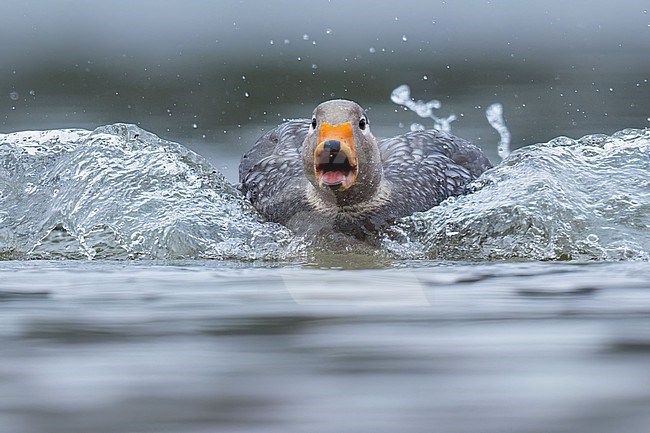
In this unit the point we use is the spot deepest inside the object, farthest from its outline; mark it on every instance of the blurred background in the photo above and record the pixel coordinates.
(215, 75)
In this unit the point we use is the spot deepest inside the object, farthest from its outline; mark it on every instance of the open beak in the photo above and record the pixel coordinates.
(335, 160)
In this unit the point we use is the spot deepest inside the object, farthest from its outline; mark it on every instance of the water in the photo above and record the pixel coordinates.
(140, 293)
(204, 346)
(151, 336)
(121, 192)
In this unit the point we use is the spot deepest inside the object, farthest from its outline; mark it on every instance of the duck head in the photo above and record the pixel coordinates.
(341, 156)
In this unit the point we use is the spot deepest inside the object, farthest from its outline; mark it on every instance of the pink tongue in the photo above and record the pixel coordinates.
(333, 177)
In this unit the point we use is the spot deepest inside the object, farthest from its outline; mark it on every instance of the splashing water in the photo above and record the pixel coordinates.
(494, 113)
(586, 199)
(402, 96)
(119, 192)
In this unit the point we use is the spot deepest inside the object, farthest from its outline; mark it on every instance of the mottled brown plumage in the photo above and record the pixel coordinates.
(331, 173)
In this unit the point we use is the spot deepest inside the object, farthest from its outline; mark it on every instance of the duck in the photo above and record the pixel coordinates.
(329, 172)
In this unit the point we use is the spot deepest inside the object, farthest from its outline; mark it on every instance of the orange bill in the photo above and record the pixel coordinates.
(335, 160)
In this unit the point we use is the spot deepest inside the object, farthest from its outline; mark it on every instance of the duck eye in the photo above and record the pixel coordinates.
(313, 123)
(362, 123)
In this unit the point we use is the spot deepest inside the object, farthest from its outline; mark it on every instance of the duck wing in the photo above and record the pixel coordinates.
(271, 174)
(426, 167)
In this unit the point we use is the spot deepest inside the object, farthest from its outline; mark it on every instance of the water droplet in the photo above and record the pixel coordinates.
(328, 31)
(494, 114)
(401, 94)
(372, 50)
(305, 37)
(194, 125)
(424, 77)
(314, 66)
(404, 38)
(422, 109)
(246, 94)
(14, 96)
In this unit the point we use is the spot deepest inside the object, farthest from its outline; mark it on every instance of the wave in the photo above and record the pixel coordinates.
(120, 192)
(586, 199)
